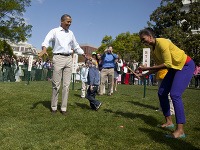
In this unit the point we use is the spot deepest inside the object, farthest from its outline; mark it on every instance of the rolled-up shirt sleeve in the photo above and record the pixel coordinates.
(49, 37)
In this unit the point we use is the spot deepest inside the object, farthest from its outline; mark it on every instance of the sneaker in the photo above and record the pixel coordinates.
(98, 106)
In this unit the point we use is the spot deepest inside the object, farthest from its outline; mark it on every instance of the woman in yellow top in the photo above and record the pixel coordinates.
(180, 70)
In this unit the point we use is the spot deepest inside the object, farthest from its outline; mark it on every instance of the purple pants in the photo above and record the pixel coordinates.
(175, 82)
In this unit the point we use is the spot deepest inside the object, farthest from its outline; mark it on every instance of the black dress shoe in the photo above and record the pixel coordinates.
(53, 111)
(63, 113)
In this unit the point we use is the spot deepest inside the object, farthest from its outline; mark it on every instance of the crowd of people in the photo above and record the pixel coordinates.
(113, 71)
(15, 69)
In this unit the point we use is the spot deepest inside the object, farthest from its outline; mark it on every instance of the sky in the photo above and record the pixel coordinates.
(92, 20)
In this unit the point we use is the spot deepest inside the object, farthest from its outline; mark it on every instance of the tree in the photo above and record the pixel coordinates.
(170, 21)
(50, 53)
(193, 23)
(12, 24)
(126, 45)
(137, 52)
(123, 44)
(5, 48)
(107, 40)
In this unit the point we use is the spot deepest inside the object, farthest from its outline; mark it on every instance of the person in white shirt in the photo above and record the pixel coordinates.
(84, 73)
(117, 73)
(64, 44)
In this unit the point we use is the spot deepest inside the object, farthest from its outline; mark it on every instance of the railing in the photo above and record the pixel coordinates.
(12, 74)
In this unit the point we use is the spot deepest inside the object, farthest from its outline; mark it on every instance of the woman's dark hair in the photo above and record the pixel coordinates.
(64, 16)
(147, 31)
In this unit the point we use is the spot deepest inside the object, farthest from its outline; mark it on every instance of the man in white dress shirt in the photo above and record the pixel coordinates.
(64, 43)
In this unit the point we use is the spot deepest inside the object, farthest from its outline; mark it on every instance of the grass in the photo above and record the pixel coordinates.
(126, 120)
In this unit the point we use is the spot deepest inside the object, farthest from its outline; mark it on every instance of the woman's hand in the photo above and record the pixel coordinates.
(143, 67)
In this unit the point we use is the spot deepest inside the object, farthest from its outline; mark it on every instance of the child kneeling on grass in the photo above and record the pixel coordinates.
(93, 79)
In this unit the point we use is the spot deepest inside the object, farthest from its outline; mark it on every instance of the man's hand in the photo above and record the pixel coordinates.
(91, 88)
(44, 51)
(84, 55)
(39, 55)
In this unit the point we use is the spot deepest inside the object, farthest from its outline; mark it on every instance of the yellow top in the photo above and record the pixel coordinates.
(169, 54)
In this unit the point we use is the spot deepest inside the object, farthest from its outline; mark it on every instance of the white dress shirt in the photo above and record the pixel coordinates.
(63, 41)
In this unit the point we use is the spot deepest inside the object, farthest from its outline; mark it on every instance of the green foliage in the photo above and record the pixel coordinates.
(1, 46)
(170, 21)
(126, 45)
(102, 48)
(5, 48)
(125, 121)
(107, 40)
(123, 44)
(193, 47)
(12, 24)
(50, 54)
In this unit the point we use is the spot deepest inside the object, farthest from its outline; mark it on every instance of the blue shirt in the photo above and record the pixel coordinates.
(93, 76)
(108, 60)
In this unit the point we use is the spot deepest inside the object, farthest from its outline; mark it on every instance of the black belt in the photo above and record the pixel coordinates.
(108, 68)
(63, 54)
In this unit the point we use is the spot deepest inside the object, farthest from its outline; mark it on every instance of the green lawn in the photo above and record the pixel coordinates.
(126, 120)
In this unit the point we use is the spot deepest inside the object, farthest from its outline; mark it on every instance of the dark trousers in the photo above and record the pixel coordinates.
(131, 79)
(91, 94)
(123, 78)
(197, 79)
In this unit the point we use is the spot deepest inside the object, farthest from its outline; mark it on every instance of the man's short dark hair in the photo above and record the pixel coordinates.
(64, 16)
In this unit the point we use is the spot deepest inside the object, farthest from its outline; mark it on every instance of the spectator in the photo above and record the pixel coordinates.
(118, 65)
(93, 82)
(84, 73)
(197, 75)
(107, 72)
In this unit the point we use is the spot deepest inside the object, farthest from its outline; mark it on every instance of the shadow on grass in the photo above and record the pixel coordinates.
(147, 119)
(126, 94)
(193, 88)
(83, 106)
(46, 104)
(197, 129)
(77, 95)
(150, 89)
(158, 137)
(143, 105)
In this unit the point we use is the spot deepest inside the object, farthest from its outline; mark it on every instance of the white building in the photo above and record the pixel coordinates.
(22, 49)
